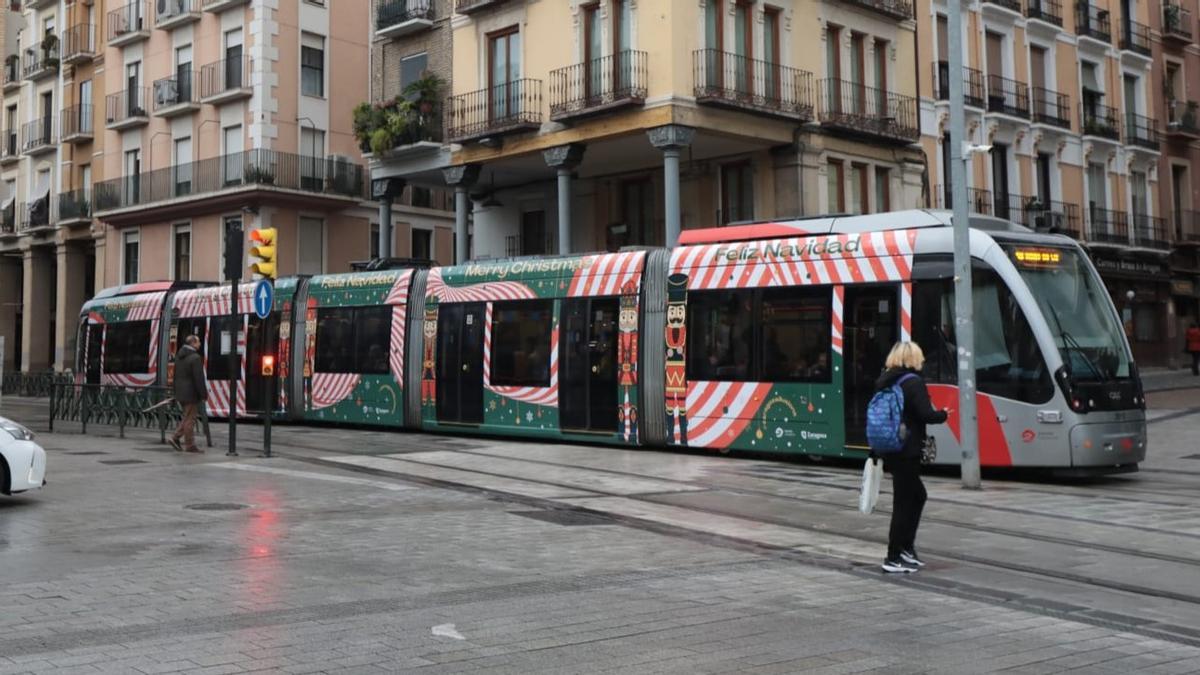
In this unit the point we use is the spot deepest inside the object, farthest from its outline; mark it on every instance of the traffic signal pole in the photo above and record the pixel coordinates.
(233, 273)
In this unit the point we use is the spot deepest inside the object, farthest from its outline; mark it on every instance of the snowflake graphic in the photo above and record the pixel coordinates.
(529, 417)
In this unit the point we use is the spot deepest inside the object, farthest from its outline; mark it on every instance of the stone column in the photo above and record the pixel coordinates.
(11, 276)
(70, 273)
(35, 319)
(385, 227)
(671, 139)
(461, 177)
(564, 159)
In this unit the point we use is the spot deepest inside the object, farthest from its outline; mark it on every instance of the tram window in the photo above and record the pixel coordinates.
(127, 347)
(933, 329)
(219, 367)
(521, 343)
(372, 339)
(720, 335)
(795, 336)
(335, 340)
(186, 327)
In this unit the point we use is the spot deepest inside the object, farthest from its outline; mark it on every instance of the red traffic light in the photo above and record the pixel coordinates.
(268, 365)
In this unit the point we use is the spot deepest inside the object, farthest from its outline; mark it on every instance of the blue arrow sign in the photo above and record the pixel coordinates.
(264, 298)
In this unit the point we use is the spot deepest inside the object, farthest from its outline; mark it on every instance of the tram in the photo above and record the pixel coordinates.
(762, 338)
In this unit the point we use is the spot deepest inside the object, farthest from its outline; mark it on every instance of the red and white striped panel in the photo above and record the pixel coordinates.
(218, 391)
(839, 297)
(607, 274)
(399, 293)
(145, 306)
(539, 395)
(719, 411)
(879, 256)
(212, 301)
(906, 311)
(482, 292)
(396, 358)
(332, 388)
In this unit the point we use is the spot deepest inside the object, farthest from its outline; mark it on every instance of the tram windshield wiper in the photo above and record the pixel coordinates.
(1073, 346)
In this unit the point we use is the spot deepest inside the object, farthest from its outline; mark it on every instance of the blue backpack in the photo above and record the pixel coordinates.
(886, 432)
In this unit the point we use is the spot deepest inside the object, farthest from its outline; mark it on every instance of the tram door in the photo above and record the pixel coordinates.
(95, 338)
(587, 397)
(460, 363)
(871, 327)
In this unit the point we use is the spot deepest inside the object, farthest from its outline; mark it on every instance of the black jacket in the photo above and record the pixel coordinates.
(190, 386)
(918, 411)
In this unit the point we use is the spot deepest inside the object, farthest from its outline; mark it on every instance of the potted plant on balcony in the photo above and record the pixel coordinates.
(257, 174)
(423, 93)
(1171, 16)
(50, 52)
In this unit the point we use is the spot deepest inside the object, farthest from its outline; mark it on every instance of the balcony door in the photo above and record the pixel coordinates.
(504, 74)
(1139, 203)
(83, 111)
(714, 41)
(1097, 197)
(232, 148)
(133, 176)
(47, 117)
(772, 84)
(233, 60)
(857, 75)
(183, 166)
(183, 74)
(593, 52)
(1000, 179)
(743, 47)
(133, 79)
(623, 46)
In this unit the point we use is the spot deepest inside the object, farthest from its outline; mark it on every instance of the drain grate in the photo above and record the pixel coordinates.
(87, 452)
(216, 506)
(122, 462)
(568, 518)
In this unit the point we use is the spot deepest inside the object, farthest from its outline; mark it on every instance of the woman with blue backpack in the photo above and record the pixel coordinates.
(896, 423)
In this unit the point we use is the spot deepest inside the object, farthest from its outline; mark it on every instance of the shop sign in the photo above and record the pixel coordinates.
(1138, 267)
(1183, 287)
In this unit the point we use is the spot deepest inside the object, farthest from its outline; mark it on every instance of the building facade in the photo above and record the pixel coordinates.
(1087, 137)
(642, 117)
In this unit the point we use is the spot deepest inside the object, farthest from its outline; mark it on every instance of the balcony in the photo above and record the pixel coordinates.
(508, 108)
(1135, 37)
(598, 86)
(472, 6)
(1182, 122)
(1051, 107)
(40, 60)
(973, 89)
(36, 4)
(225, 80)
(175, 13)
(1008, 97)
(10, 151)
(230, 181)
(1177, 25)
(895, 9)
(1092, 22)
(8, 221)
(37, 137)
(1151, 232)
(128, 24)
(75, 208)
(1049, 216)
(733, 81)
(126, 109)
(218, 6)
(1100, 121)
(1187, 227)
(77, 124)
(79, 44)
(852, 108)
(1141, 131)
(36, 215)
(12, 73)
(395, 18)
(1047, 11)
(979, 201)
(1107, 226)
(175, 96)
(1010, 5)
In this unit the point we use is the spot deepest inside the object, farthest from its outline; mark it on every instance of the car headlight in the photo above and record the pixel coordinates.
(17, 431)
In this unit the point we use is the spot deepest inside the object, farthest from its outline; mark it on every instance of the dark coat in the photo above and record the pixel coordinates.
(918, 411)
(190, 386)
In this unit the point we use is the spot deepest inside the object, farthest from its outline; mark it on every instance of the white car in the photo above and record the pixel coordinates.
(22, 461)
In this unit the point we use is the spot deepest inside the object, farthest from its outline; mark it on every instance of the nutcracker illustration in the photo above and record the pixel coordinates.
(310, 348)
(285, 353)
(627, 357)
(428, 363)
(676, 371)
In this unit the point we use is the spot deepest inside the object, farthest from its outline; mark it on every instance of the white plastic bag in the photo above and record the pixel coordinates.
(872, 474)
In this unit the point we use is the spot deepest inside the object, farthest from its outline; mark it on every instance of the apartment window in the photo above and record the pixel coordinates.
(133, 176)
(833, 52)
(183, 73)
(422, 244)
(374, 243)
(412, 68)
(858, 188)
(883, 189)
(1043, 177)
(232, 142)
(233, 59)
(714, 30)
(836, 186)
(504, 68)
(737, 192)
(85, 179)
(183, 252)
(310, 258)
(183, 166)
(129, 257)
(312, 65)
(312, 149)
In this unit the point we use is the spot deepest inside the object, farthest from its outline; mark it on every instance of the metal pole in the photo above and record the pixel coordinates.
(564, 210)
(385, 228)
(963, 295)
(671, 199)
(268, 408)
(461, 204)
(233, 368)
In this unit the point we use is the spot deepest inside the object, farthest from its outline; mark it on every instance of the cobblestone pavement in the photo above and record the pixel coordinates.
(369, 551)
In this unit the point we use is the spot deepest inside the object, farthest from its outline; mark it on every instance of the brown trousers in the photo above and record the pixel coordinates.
(187, 426)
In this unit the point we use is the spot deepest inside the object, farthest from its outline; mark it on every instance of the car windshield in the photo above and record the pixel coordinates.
(1077, 311)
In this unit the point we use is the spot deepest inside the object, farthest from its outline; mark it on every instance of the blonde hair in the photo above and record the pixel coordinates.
(906, 355)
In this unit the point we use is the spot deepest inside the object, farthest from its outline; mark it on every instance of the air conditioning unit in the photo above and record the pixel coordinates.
(166, 92)
(1055, 221)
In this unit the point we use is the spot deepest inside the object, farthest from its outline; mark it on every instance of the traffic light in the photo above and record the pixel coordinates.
(262, 249)
(268, 365)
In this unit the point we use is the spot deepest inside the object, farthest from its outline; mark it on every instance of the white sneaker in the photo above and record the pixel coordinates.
(911, 558)
(896, 566)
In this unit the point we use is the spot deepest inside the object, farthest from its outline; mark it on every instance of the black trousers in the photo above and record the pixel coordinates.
(908, 500)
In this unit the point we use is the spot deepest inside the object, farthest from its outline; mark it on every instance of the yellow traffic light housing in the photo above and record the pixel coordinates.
(263, 251)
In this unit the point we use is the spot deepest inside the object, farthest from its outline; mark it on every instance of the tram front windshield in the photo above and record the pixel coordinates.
(1077, 310)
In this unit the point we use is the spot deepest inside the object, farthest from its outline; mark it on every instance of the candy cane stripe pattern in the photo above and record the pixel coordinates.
(332, 388)
(719, 411)
(212, 301)
(607, 274)
(481, 292)
(538, 395)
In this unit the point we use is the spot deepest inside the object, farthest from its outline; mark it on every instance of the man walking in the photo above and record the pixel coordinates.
(190, 390)
(1193, 346)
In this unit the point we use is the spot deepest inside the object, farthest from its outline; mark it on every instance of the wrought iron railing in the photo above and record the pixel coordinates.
(12, 71)
(1183, 117)
(124, 105)
(1014, 5)
(1187, 226)
(1092, 22)
(75, 205)
(979, 201)
(973, 84)
(37, 134)
(502, 108)
(1108, 226)
(394, 12)
(1141, 131)
(32, 385)
(77, 121)
(11, 149)
(258, 167)
(852, 107)
(468, 6)
(130, 18)
(173, 91)
(1177, 22)
(8, 220)
(1051, 107)
(138, 408)
(225, 75)
(37, 214)
(1100, 120)
(733, 79)
(598, 84)
(1135, 37)
(1150, 232)
(40, 57)
(1049, 11)
(1032, 212)
(1008, 96)
(79, 41)
(896, 9)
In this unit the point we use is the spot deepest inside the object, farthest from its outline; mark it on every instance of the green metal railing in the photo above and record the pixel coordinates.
(36, 385)
(144, 408)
